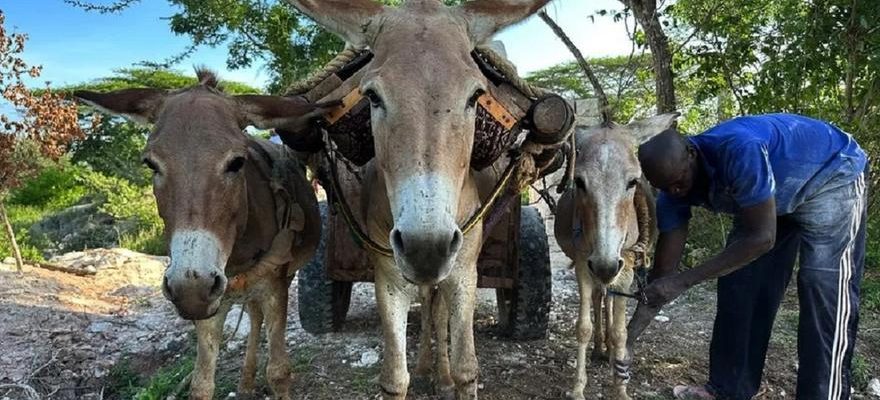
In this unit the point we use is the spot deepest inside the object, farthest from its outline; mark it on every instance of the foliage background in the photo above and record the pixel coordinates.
(730, 57)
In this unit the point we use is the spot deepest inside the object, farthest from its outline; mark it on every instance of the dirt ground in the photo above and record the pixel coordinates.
(62, 335)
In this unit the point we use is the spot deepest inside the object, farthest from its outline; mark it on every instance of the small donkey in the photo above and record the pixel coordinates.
(239, 214)
(603, 223)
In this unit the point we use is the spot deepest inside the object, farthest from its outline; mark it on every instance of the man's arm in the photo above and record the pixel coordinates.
(667, 254)
(758, 223)
(759, 236)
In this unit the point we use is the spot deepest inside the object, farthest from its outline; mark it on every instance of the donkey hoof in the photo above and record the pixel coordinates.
(246, 395)
(622, 396)
(575, 395)
(446, 393)
(421, 384)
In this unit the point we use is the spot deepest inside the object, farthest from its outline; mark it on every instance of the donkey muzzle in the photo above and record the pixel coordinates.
(196, 295)
(426, 256)
(606, 269)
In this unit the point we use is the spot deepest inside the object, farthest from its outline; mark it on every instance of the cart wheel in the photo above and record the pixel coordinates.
(322, 302)
(524, 312)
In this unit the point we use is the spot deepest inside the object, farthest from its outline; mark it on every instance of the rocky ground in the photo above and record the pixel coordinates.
(65, 336)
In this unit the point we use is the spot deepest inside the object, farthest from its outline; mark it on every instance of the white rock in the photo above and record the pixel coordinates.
(232, 320)
(99, 327)
(368, 358)
(9, 260)
(661, 318)
(874, 387)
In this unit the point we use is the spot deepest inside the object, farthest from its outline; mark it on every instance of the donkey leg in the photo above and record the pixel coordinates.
(610, 322)
(209, 334)
(426, 355)
(459, 292)
(393, 299)
(249, 369)
(618, 353)
(599, 350)
(584, 330)
(445, 383)
(278, 365)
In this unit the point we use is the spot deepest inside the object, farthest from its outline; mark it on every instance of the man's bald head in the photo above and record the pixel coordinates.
(666, 159)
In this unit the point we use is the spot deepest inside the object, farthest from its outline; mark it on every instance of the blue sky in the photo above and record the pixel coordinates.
(75, 46)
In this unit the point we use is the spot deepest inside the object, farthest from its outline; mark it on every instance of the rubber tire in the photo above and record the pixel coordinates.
(524, 312)
(322, 302)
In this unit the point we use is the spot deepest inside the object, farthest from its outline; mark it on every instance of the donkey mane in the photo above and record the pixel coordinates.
(208, 78)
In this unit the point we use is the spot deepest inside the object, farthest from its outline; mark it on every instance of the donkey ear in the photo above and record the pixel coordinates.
(140, 105)
(289, 113)
(644, 129)
(353, 20)
(485, 17)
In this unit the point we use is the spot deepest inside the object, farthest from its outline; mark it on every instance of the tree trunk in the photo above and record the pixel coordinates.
(645, 12)
(11, 233)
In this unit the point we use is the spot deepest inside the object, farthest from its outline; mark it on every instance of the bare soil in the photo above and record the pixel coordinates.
(62, 335)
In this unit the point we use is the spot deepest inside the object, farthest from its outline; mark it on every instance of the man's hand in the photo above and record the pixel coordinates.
(664, 290)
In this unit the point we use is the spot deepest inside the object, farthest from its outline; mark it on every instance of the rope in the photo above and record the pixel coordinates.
(507, 68)
(344, 57)
(637, 255)
(364, 238)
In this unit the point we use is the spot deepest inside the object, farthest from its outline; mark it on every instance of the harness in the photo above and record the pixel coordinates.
(289, 217)
(636, 255)
(346, 132)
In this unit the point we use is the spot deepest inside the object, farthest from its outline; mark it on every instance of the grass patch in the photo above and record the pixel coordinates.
(126, 382)
(861, 372)
(22, 217)
(364, 380)
(303, 358)
(870, 296)
(148, 241)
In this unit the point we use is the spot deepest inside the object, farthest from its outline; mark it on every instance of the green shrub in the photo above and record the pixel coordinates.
(114, 149)
(149, 240)
(870, 296)
(123, 200)
(707, 235)
(872, 255)
(22, 217)
(55, 188)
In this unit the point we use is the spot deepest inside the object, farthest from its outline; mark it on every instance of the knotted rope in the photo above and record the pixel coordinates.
(333, 66)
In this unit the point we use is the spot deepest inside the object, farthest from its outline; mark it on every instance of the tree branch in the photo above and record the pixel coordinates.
(112, 8)
(597, 87)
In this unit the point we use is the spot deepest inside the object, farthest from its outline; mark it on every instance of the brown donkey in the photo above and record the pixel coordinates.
(423, 86)
(240, 217)
(597, 227)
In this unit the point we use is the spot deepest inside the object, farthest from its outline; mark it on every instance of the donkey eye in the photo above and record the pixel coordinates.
(151, 165)
(235, 165)
(472, 102)
(374, 98)
(579, 182)
(632, 184)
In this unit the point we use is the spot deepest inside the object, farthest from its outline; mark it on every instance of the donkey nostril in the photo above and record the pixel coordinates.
(217, 288)
(590, 264)
(167, 288)
(620, 264)
(455, 244)
(397, 240)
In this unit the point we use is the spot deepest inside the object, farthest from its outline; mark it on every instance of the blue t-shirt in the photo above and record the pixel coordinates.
(748, 159)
